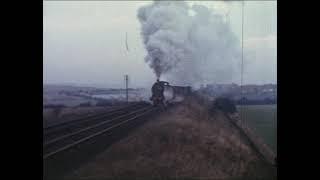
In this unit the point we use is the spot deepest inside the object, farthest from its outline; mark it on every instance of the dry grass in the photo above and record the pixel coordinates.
(185, 142)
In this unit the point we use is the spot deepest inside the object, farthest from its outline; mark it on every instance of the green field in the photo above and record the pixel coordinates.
(263, 120)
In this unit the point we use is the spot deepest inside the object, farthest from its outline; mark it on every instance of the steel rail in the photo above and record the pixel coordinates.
(90, 127)
(95, 134)
(87, 121)
(84, 119)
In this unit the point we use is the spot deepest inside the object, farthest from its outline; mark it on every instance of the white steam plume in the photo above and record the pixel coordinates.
(188, 45)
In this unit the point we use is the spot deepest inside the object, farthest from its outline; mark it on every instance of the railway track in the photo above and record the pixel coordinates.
(69, 135)
(69, 126)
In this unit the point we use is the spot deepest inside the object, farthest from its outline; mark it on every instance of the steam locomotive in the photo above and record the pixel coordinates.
(175, 92)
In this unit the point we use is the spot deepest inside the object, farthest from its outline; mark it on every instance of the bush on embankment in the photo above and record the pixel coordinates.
(224, 104)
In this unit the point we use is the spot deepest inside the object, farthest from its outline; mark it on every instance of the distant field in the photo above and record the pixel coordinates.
(262, 119)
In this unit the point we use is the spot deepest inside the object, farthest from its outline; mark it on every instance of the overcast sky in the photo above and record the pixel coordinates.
(84, 42)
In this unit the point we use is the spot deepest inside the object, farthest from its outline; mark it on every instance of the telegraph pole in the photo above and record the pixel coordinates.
(127, 96)
(242, 121)
(241, 83)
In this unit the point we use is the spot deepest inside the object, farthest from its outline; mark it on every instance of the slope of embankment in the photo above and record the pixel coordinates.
(186, 141)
